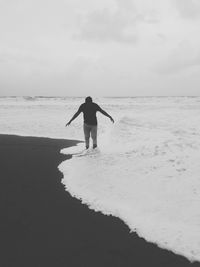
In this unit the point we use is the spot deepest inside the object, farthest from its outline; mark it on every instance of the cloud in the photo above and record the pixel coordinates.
(111, 25)
(188, 9)
(183, 57)
(126, 4)
(20, 56)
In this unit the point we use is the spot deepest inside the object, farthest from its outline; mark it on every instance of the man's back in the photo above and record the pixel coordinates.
(89, 112)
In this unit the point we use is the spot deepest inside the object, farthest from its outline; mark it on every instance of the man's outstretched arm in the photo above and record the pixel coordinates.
(74, 117)
(106, 114)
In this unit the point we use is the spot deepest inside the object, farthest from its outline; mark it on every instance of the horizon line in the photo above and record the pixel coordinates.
(62, 96)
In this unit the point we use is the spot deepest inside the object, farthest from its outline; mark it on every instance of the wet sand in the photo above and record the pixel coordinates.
(43, 226)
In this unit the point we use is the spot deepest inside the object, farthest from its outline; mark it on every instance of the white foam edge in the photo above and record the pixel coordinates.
(122, 213)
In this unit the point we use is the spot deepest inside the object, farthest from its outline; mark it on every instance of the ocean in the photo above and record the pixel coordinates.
(146, 169)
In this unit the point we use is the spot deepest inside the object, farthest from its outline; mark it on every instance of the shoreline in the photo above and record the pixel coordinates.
(43, 226)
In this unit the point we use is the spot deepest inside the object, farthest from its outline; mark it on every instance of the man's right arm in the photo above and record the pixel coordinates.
(75, 116)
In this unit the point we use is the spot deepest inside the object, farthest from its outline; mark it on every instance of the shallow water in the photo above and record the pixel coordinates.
(146, 168)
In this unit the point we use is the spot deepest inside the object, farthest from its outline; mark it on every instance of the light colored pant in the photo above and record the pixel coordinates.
(90, 130)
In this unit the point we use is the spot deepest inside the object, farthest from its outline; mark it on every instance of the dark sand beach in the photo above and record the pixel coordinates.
(43, 226)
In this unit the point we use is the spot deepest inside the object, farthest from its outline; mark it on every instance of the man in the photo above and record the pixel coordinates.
(89, 110)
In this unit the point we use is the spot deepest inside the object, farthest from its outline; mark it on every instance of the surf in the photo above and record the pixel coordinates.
(146, 174)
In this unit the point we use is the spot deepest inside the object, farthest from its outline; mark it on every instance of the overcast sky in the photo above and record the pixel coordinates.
(99, 47)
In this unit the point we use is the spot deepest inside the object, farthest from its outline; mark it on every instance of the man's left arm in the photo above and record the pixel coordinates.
(105, 114)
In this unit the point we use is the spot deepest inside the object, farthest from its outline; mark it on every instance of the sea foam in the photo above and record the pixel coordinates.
(145, 172)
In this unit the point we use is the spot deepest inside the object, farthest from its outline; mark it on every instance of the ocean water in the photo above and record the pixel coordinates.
(146, 169)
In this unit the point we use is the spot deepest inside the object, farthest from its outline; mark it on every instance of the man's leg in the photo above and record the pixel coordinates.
(94, 136)
(86, 129)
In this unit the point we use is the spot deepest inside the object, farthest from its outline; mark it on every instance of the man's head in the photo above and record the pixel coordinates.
(88, 99)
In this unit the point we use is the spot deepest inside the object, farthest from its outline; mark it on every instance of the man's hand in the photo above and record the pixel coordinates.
(74, 117)
(112, 120)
